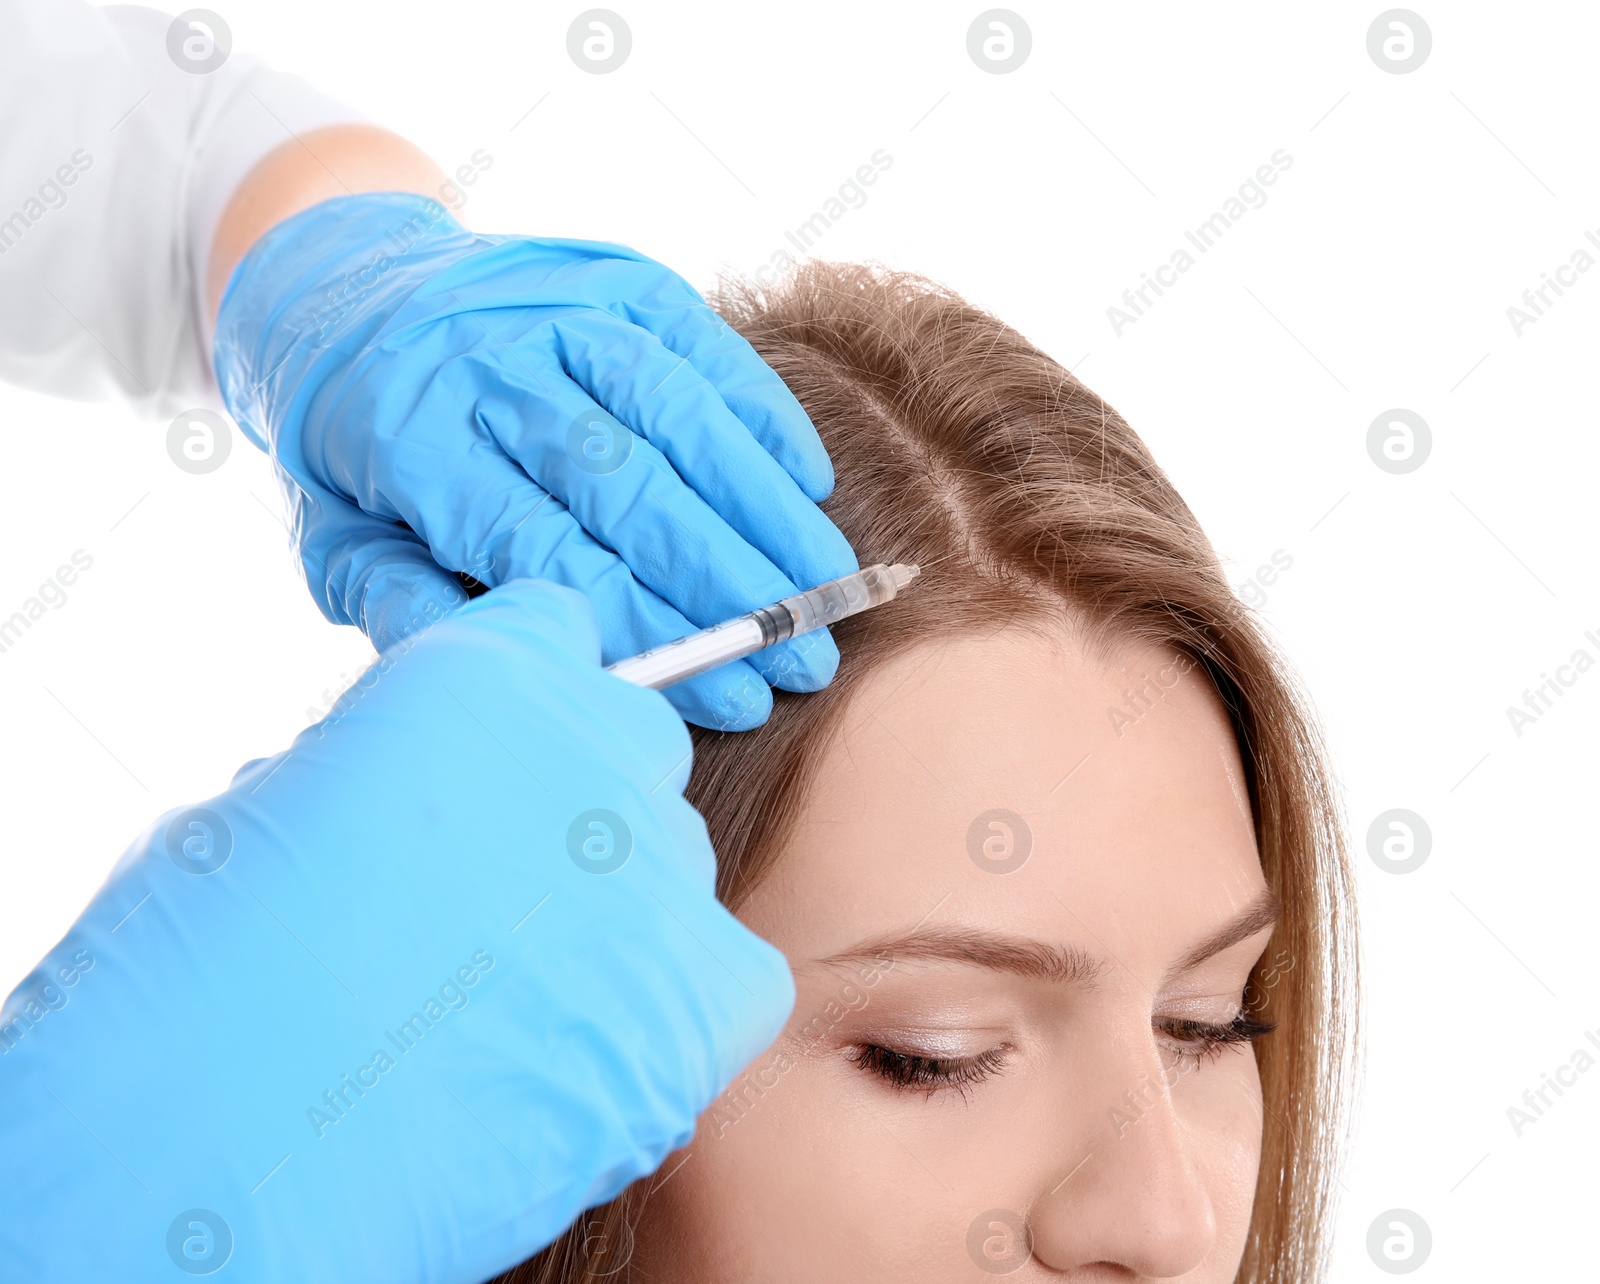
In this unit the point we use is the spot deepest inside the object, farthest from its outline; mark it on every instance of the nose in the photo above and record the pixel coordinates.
(1137, 1200)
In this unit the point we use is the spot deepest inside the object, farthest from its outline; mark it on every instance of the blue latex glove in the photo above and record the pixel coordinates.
(215, 1063)
(563, 409)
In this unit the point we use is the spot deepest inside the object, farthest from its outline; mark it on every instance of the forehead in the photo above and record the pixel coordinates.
(1021, 783)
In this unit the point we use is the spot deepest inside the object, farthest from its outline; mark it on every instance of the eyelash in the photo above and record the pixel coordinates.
(1202, 1041)
(912, 1073)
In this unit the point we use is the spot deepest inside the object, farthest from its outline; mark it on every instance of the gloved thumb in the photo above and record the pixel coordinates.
(401, 591)
(362, 570)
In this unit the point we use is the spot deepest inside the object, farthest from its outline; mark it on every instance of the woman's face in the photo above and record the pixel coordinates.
(1021, 908)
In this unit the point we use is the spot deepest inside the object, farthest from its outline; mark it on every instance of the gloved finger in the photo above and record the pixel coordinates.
(443, 475)
(511, 685)
(495, 523)
(541, 539)
(749, 387)
(667, 400)
(372, 573)
(668, 536)
(733, 697)
(406, 590)
(383, 579)
(655, 298)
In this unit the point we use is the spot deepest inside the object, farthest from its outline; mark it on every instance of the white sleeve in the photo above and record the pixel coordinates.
(115, 165)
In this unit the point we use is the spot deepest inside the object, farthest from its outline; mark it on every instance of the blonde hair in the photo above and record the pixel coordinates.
(960, 446)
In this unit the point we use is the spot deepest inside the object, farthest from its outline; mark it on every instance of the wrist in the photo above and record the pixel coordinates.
(338, 160)
(309, 288)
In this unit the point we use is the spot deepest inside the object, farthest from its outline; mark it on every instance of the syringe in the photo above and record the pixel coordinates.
(745, 634)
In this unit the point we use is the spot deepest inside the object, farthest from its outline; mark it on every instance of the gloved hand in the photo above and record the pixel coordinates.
(403, 1000)
(563, 409)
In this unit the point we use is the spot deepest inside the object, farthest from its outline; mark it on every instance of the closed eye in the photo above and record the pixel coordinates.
(1205, 1040)
(912, 1072)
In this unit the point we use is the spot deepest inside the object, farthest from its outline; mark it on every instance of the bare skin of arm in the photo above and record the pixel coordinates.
(339, 160)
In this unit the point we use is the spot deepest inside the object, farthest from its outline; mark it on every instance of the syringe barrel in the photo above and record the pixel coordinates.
(672, 662)
(831, 602)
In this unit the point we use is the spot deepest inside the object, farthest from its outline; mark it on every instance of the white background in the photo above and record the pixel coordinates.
(1418, 607)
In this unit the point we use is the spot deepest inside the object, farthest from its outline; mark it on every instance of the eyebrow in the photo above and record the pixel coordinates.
(1259, 914)
(1037, 960)
(998, 951)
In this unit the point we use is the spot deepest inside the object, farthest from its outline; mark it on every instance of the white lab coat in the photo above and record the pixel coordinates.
(115, 166)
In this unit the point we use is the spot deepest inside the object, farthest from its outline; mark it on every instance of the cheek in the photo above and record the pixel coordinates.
(794, 1180)
(1221, 1108)
(809, 1173)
